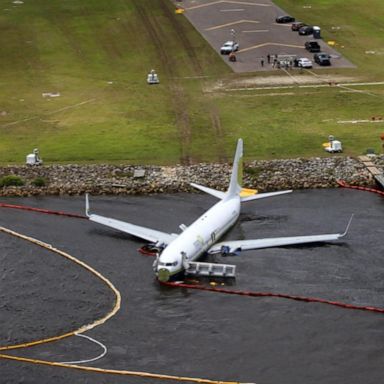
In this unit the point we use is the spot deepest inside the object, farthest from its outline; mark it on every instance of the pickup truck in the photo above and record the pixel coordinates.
(228, 47)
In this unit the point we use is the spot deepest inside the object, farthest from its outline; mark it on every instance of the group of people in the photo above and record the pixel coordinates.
(278, 63)
(272, 60)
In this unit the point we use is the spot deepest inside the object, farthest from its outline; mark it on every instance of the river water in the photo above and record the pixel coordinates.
(195, 333)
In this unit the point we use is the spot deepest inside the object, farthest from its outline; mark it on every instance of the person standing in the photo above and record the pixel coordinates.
(262, 62)
(269, 58)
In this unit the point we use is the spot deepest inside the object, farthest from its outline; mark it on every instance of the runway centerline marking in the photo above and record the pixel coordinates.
(282, 25)
(266, 44)
(232, 23)
(256, 31)
(227, 1)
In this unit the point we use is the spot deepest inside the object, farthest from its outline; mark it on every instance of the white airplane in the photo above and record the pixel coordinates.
(176, 251)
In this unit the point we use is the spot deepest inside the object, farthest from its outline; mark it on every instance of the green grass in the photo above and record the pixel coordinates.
(288, 126)
(97, 55)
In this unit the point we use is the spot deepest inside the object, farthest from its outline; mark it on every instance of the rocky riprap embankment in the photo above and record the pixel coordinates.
(119, 179)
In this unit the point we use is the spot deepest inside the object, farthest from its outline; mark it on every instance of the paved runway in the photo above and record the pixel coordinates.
(192, 333)
(252, 24)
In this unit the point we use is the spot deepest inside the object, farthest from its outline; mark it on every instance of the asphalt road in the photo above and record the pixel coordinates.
(194, 333)
(252, 24)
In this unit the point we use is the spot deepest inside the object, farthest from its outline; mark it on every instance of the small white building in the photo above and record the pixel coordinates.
(333, 145)
(34, 158)
(152, 77)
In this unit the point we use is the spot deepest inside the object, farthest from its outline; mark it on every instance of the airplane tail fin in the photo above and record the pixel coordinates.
(87, 205)
(237, 171)
(236, 177)
(235, 184)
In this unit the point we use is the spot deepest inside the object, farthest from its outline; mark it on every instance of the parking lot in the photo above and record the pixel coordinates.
(252, 24)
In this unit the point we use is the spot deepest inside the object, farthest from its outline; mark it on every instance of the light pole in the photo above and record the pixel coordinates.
(233, 34)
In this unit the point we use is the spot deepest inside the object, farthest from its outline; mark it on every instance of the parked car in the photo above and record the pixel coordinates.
(322, 59)
(228, 47)
(297, 25)
(307, 30)
(285, 19)
(312, 46)
(304, 63)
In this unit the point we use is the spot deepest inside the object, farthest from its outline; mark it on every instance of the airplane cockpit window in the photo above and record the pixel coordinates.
(162, 264)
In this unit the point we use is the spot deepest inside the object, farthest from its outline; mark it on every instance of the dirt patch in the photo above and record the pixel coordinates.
(218, 132)
(178, 99)
(278, 81)
(180, 32)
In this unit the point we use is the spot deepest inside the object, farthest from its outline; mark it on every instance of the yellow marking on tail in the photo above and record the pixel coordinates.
(248, 192)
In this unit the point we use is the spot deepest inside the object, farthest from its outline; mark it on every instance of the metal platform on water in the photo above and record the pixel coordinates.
(380, 179)
(210, 269)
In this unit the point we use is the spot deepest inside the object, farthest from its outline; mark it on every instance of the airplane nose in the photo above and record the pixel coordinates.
(163, 274)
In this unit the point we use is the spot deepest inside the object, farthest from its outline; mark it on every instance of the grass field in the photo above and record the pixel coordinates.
(96, 55)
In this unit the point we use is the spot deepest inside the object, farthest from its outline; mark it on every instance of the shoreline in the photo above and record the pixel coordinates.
(262, 175)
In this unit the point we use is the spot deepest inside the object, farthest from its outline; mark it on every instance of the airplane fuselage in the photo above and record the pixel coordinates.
(196, 239)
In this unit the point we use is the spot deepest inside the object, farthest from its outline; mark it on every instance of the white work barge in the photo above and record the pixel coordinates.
(210, 269)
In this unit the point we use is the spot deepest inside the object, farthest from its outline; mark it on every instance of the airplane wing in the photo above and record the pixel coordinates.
(228, 247)
(244, 245)
(145, 233)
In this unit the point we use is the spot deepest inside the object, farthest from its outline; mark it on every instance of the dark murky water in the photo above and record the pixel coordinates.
(193, 333)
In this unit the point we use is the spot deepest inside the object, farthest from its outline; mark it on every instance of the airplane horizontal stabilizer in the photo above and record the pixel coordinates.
(210, 191)
(244, 245)
(264, 195)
